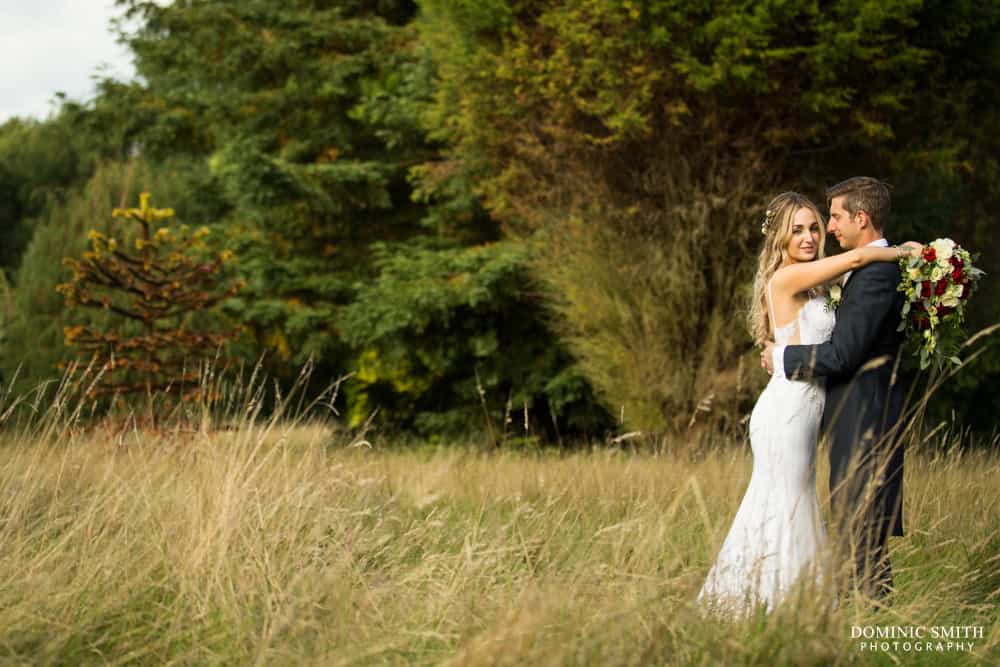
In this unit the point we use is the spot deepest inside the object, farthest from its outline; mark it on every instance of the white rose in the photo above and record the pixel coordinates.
(954, 291)
(949, 301)
(937, 273)
(835, 292)
(943, 248)
(914, 274)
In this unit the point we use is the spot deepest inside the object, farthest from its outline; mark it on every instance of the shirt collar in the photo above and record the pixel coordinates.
(877, 243)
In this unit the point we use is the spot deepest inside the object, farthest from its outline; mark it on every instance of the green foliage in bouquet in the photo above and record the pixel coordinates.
(154, 290)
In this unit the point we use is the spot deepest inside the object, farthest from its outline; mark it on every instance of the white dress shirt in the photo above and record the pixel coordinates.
(778, 353)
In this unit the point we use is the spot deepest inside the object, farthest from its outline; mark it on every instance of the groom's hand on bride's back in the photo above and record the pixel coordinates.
(767, 357)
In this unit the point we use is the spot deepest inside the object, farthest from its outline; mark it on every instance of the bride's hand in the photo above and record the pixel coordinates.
(766, 359)
(911, 248)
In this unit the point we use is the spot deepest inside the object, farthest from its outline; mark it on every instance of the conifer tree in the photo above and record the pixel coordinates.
(156, 288)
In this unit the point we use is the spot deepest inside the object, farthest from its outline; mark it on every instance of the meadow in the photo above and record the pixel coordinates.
(284, 541)
(467, 205)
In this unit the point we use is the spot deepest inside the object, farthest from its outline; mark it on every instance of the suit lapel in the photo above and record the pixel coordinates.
(848, 279)
(850, 274)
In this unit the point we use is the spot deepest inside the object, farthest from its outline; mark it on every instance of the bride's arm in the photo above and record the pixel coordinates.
(805, 275)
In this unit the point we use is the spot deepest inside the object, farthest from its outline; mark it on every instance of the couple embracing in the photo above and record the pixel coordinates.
(833, 365)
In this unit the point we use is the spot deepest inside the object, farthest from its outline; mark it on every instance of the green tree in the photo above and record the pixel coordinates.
(446, 333)
(308, 117)
(39, 163)
(267, 95)
(635, 145)
(34, 345)
(153, 292)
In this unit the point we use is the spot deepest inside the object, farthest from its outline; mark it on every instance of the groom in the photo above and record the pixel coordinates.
(864, 398)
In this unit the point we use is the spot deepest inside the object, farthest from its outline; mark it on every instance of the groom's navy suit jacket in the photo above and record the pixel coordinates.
(864, 398)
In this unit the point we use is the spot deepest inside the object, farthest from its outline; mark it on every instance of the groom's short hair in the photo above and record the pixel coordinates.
(863, 193)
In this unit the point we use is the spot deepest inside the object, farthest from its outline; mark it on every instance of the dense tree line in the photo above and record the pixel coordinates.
(546, 210)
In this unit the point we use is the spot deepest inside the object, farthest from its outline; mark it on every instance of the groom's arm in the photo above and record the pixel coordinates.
(860, 317)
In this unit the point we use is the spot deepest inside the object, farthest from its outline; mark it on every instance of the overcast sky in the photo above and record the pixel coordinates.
(55, 45)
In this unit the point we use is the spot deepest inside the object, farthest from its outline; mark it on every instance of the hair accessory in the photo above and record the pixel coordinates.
(768, 217)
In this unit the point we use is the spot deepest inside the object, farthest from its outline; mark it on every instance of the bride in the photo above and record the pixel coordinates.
(777, 535)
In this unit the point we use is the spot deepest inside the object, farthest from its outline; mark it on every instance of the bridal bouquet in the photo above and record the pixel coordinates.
(937, 286)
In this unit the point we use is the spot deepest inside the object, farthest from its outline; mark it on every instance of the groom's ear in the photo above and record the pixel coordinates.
(863, 219)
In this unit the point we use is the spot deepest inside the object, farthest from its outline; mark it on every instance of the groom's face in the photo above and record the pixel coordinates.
(842, 225)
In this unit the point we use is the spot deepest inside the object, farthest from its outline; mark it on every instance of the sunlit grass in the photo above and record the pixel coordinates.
(286, 542)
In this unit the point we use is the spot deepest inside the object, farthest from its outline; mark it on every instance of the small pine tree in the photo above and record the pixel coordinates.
(157, 288)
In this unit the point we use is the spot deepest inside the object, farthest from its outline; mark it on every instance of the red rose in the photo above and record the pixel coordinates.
(920, 307)
(956, 276)
(923, 323)
(956, 261)
(925, 289)
(941, 287)
(929, 254)
(966, 291)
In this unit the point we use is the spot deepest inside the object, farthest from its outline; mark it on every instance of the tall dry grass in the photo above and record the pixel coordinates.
(281, 541)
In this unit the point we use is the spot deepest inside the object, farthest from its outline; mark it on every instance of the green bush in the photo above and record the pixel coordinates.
(452, 339)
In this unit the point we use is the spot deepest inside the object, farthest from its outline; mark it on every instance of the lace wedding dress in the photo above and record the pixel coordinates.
(777, 534)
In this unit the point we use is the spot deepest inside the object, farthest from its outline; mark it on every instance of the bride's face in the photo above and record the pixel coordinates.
(804, 243)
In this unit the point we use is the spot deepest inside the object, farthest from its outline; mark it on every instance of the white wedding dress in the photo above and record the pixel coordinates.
(777, 534)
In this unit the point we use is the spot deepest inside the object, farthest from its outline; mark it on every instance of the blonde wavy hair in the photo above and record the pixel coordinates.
(777, 234)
